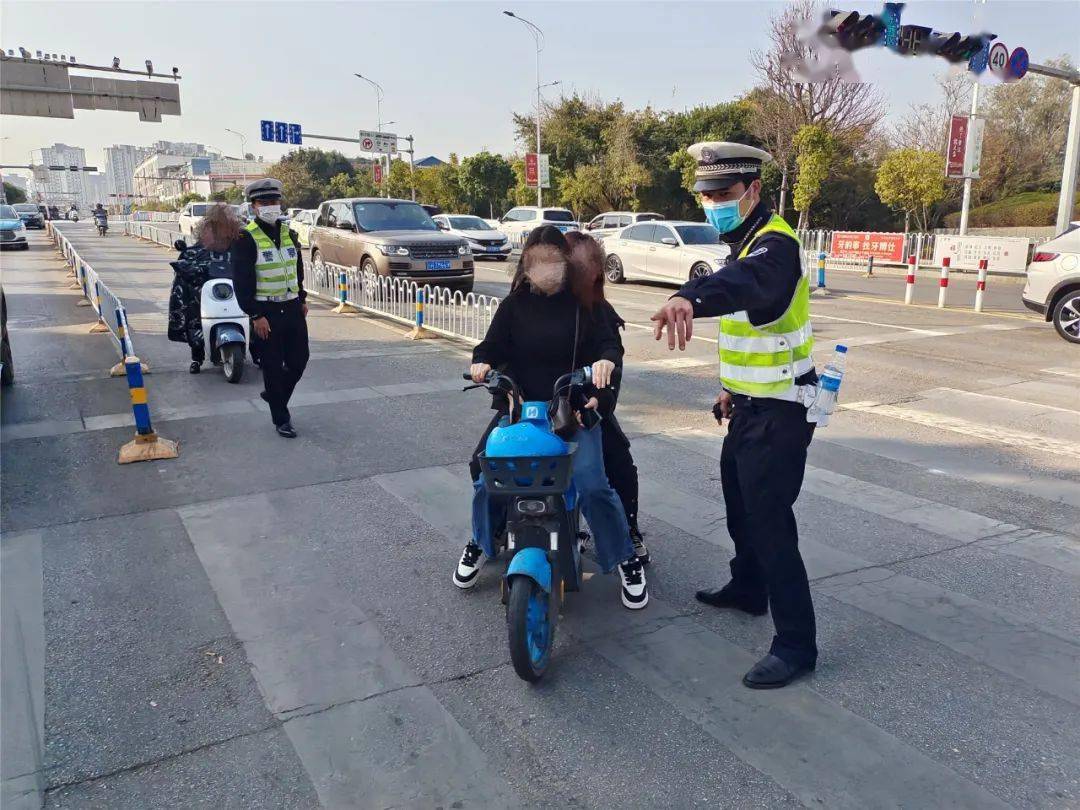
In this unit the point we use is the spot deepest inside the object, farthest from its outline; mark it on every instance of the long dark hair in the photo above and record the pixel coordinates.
(586, 268)
(546, 235)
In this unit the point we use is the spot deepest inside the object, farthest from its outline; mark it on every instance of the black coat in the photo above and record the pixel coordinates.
(191, 270)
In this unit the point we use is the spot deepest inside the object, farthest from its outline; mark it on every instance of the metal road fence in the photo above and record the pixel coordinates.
(112, 315)
(152, 233)
(434, 309)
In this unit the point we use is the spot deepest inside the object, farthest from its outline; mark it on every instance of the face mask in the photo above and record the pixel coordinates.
(724, 216)
(269, 213)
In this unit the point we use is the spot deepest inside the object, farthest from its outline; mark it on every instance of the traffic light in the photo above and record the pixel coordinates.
(853, 31)
(958, 48)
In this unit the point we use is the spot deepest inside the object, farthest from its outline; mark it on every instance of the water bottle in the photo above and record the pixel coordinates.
(828, 388)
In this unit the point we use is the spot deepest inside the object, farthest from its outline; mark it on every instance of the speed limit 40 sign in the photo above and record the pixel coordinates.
(998, 59)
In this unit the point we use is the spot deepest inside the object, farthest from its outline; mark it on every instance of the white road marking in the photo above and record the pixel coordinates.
(1037, 406)
(1062, 371)
(993, 433)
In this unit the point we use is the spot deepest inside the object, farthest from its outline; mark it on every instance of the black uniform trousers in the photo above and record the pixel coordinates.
(761, 466)
(283, 354)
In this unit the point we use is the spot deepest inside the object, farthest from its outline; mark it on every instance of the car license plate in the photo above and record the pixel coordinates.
(494, 249)
(441, 264)
(563, 228)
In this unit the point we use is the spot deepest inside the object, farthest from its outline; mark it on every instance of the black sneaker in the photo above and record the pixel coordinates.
(286, 430)
(640, 549)
(635, 593)
(195, 367)
(472, 560)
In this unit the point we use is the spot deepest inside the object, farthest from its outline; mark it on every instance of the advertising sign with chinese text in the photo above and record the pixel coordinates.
(964, 252)
(887, 247)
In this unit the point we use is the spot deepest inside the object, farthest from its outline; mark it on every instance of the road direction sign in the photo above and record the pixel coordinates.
(999, 59)
(380, 142)
(281, 132)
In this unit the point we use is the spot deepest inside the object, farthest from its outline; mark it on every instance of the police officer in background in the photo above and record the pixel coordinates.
(268, 275)
(768, 381)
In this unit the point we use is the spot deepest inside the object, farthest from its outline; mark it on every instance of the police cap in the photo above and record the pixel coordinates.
(721, 164)
(267, 188)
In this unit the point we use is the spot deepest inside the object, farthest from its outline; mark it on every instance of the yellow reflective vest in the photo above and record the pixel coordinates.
(275, 268)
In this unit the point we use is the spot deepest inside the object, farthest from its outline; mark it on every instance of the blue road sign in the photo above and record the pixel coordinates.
(295, 135)
(281, 132)
(267, 130)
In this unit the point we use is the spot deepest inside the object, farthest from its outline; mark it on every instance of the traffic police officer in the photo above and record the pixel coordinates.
(268, 275)
(768, 379)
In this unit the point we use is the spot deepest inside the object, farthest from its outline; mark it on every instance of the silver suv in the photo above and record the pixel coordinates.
(518, 223)
(390, 238)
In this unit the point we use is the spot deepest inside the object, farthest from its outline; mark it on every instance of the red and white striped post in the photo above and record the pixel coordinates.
(980, 285)
(943, 288)
(909, 289)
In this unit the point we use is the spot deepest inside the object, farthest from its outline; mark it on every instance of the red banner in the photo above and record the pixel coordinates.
(377, 171)
(888, 247)
(532, 169)
(958, 135)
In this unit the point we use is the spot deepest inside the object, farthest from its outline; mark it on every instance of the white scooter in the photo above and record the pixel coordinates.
(224, 323)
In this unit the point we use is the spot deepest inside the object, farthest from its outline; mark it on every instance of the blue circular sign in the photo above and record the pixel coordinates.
(1018, 63)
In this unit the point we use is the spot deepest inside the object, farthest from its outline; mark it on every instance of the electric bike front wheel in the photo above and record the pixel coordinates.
(232, 360)
(530, 629)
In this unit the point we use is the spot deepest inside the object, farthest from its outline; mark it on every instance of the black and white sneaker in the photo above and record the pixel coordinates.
(472, 560)
(635, 594)
(640, 548)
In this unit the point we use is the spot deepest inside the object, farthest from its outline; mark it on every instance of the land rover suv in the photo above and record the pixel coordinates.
(391, 238)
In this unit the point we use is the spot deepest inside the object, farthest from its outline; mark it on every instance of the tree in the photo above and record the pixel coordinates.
(191, 196)
(787, 101)
(486, 181)
(13, 194)
(233, 194)
(815, 149)
(305, 173)
(912, 181)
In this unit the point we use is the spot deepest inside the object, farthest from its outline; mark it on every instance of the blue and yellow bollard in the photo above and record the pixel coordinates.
(820, 288)
(100, 327)
(343, 295)
(80, 284)
(418, 332)
(147, 445)
(123, 334)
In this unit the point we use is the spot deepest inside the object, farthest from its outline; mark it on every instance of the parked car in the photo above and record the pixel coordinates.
(30, 214)
(12, 229)
(191, 215)
(482, 238)
(518, 222)
(607, 223)
(390, 238)
(7, 366)
(245, 212)
(1053, 282)
(290, 213)
(302, 222)
(431, 209)
(664, 251)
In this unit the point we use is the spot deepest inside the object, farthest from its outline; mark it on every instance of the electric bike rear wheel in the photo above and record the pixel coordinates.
(232, 360)
(530, 629)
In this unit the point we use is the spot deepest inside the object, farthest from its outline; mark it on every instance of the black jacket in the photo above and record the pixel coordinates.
(243, 267)
(531, 338)
(191, 270)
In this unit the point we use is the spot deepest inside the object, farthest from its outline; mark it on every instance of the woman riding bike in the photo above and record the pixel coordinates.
(587, 281)
(540, 332)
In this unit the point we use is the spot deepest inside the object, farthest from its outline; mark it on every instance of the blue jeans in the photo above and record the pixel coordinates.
(599, 503)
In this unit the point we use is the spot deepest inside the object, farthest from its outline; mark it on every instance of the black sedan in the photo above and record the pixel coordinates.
(30, 215)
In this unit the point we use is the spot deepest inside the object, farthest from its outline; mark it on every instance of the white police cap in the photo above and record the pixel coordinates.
(261, 189)
(721, 163)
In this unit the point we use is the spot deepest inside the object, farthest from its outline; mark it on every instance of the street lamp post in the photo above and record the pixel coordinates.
(378, 108)
(243, 153)
(538, 37)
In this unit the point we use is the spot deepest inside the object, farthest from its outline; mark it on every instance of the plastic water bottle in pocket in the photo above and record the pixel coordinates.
(828, 388)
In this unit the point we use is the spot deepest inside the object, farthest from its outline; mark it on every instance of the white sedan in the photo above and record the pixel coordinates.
(664, 251)
(302, 222)
(484, 240)
(1053, 282)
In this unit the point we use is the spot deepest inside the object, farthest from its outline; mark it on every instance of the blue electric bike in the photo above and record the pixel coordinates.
(532, 468)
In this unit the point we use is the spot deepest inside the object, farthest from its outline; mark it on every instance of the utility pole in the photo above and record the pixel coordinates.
(412, 168)
(538, 37)
(243, 153)
(966, 204)
(378, 113)
(1069, 173)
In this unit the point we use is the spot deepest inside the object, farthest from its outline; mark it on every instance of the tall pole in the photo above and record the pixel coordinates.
(538, 37)
(1072, 163)
(412, 168)
(243, 154)
(378, 115)
(966, 205)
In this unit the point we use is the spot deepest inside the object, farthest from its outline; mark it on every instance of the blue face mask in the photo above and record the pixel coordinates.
(724, 216)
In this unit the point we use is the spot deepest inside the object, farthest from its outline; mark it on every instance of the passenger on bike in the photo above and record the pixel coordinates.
(540, 331)
(207, 258)
(587, 281)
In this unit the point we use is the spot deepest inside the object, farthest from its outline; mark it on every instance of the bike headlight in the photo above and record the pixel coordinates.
(393, 250)
(463, 250)
(532, 507)
(222, 292)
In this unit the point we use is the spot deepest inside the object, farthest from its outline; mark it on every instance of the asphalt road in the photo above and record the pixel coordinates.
(263, 623)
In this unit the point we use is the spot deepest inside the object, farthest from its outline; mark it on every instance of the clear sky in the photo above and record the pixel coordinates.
(453, 72)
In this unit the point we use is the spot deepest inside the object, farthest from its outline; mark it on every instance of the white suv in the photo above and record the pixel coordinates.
(1053, 282)
(518, 223)
(610, 221)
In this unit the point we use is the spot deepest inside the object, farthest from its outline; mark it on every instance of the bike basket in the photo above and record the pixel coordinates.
(527, 475)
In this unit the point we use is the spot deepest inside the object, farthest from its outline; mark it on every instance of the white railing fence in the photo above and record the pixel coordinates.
(451, 313)
(152, 233)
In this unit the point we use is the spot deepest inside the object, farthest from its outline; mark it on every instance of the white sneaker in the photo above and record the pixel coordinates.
(472, 560)
(635, 593)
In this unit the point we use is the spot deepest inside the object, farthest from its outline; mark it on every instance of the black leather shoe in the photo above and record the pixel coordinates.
(264, 397)
(195, 367)
(772, 673)
(727, 598)
(286, 430)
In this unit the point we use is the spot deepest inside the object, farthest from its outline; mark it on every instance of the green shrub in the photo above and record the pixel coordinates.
(1030, 209)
